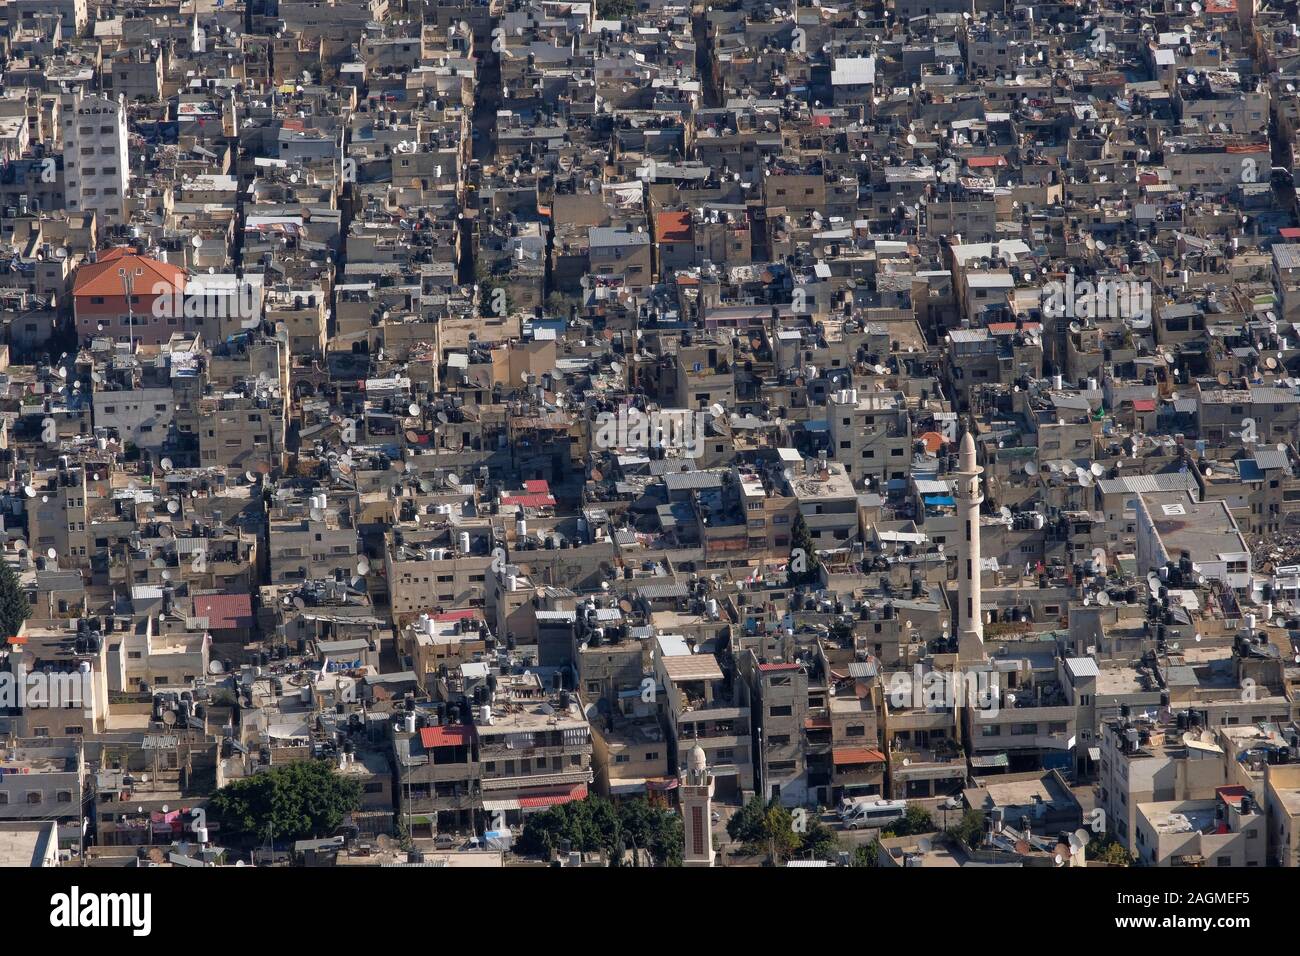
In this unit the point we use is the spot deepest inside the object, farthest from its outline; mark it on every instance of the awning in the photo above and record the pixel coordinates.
(847, 756)
(623, 788)
(544, 800)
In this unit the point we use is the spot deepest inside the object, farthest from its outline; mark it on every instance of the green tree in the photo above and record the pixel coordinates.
(615, 9)
(916, 820)
(765, 828)
(866, 855)
(778, 833)
(746, 824)
(805, 566)
(1105, 849)
(297, 801)
(14, 606)
(819, 841)
(968, 829)
(596, 824)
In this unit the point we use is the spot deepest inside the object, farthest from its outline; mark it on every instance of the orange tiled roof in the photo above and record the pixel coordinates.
(101, 278)
(674, 227)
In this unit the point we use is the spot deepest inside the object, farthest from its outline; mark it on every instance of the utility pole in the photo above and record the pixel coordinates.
(128, 289)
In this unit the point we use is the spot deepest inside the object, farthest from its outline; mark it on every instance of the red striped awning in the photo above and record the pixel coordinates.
(553, 798)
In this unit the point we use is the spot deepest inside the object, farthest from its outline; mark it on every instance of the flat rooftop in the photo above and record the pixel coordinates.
(22, 846)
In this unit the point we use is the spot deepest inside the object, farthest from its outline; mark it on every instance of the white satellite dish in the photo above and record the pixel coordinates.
(413, 410)
(165, 464)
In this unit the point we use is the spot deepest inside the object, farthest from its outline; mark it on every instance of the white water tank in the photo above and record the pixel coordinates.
(201, 835)
(410, 723)
(521, 528)
(1058, 382)
(463, 539)
(485, 714)
(512, 582)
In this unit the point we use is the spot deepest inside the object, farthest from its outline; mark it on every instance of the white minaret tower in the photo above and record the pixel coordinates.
(697, 810)
(970, 617)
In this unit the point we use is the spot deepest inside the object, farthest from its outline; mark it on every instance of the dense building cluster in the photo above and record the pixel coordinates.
(885, 410)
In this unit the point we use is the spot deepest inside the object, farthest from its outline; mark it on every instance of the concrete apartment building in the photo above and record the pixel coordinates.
(699, 709)
(1144, 762)
(44, 780)
(870, 433)
(96, 159)
(1227, 830)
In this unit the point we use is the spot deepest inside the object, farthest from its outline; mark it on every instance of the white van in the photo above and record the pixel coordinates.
(873, 814)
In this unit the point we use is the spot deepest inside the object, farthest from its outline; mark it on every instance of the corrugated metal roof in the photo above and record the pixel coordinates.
(1082, 667)
(1143, 484)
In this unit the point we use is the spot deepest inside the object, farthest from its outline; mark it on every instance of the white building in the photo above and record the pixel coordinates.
(96, 162)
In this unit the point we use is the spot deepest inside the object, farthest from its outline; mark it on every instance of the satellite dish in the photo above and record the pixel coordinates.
(214, 667)
(1031, 468)
(165, 464)
(453, 480)
(169, 717)
(173, 506)
(363, 567)
(29, 491)
(1097, 469)
(413, 410)
(1103, 598)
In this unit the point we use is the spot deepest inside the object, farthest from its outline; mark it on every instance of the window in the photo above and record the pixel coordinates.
(783, 711)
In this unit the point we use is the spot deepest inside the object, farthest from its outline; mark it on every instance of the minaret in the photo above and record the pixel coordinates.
(970, 617)
(697, 810)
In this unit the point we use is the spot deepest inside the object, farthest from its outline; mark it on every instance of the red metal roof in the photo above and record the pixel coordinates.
(537, 486)
(225, 611)
(458, 614)
(448, 735)
(843, 756)
(576, 792)
(529, 501)
(769, 668)
(1144, 404)
(674, 227)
